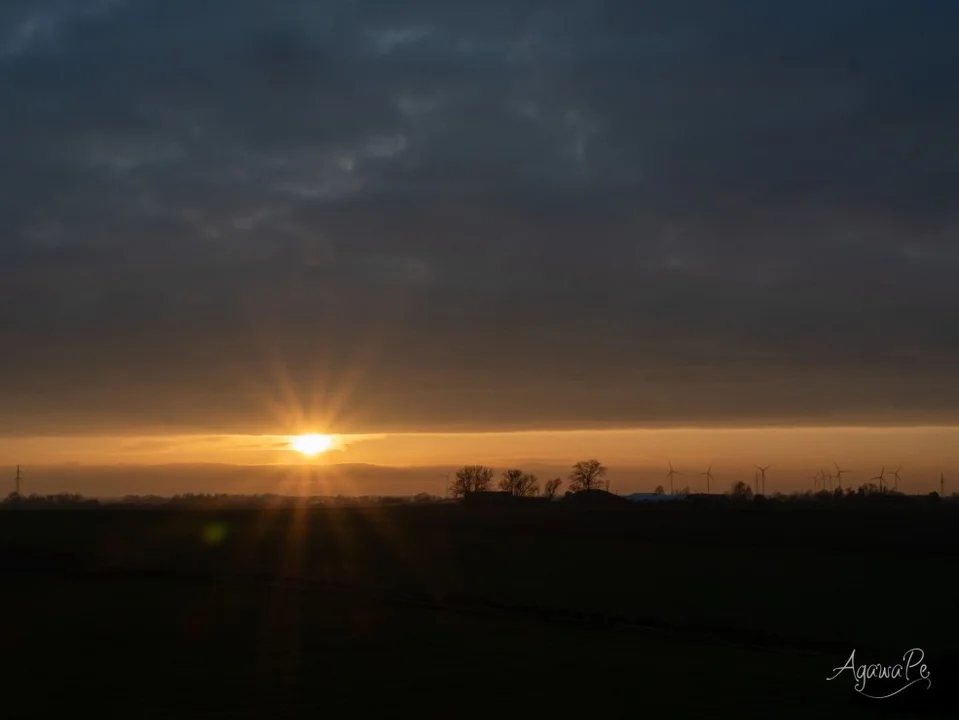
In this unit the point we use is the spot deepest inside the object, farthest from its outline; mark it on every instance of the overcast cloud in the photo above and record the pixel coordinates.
(475, 215)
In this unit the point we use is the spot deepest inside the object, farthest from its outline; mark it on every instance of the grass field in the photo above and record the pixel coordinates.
(457, 612)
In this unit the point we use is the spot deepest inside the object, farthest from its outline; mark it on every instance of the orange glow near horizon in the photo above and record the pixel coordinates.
(637, 459)
(784, 447)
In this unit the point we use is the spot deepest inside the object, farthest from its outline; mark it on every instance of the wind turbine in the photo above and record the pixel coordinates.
(670, 475)
(881, 477)
(763, 471)
(839, 472)
(709, 477)
(815, 480)
(895, 474)
(827, 480)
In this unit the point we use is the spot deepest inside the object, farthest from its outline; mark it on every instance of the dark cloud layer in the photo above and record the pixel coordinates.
(449, 215)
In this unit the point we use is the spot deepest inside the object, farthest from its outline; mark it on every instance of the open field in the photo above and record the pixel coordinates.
(442, 608)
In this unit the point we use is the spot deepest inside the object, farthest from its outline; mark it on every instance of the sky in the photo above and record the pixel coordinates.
(246, 219)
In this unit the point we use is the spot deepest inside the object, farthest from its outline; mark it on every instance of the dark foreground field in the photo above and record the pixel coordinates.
(448, 611)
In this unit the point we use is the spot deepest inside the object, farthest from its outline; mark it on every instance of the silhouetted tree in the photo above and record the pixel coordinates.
(470, 479)
(741, 491)
(518, 483)
(528, 485)
(660, 490)
(588, 475)
(552, 487)
(509, 479)
(684, 491)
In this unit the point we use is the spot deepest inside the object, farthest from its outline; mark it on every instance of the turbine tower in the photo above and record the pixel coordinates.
(709, 476)
(881, 477)
(670, 475)
(18, 481)
(895, 474)
(763, 477)
(942, 485)
(839, 473)
(815, 480)
(827, 476)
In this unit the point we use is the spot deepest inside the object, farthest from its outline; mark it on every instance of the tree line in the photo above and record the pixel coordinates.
(584, 475)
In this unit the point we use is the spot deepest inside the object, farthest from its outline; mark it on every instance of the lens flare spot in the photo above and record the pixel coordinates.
(214, 533)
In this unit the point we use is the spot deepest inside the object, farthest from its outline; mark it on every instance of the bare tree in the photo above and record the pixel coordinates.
(518, 483)
(741, 491)
(471, 479)
(509, 480)
(588, 475)
(552, 487)
(660, 490)
(528, 486)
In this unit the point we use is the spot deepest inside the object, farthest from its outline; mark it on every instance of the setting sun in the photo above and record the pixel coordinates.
(311, 444)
